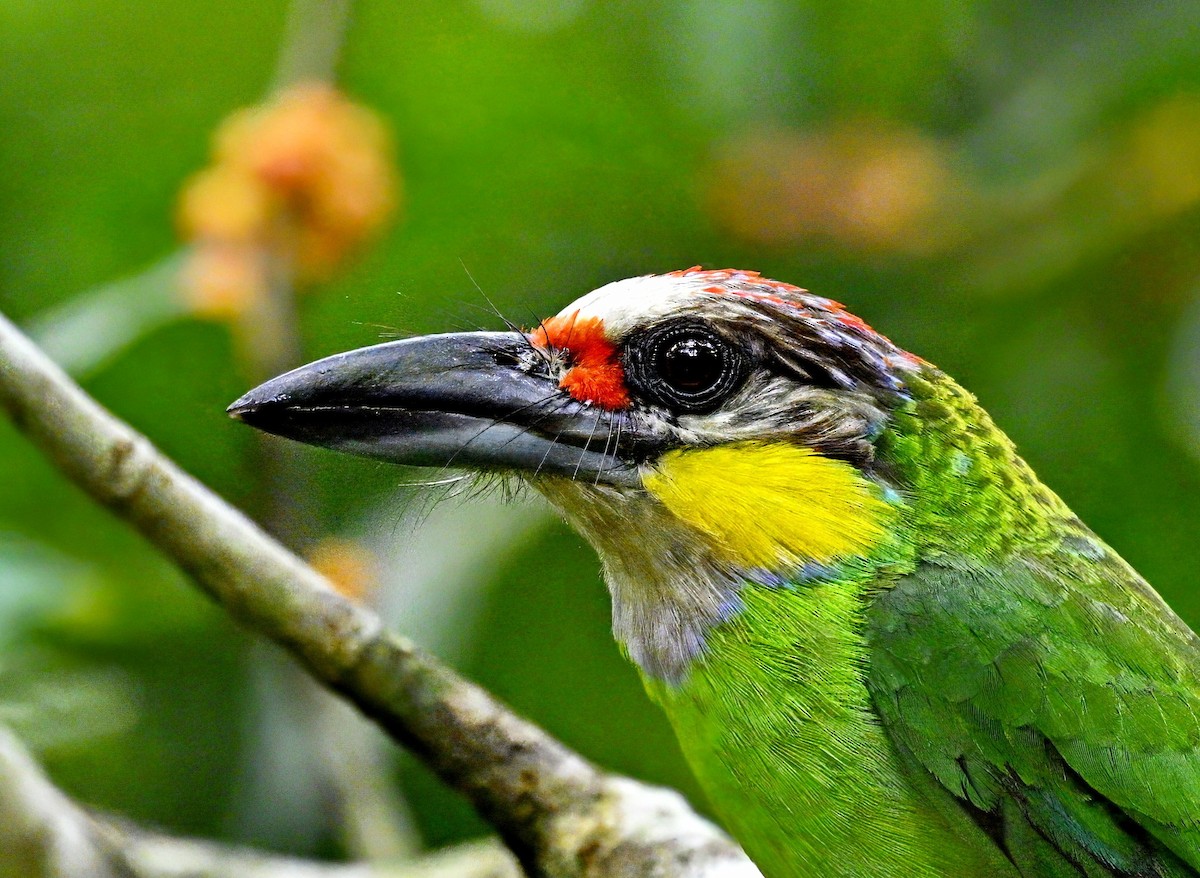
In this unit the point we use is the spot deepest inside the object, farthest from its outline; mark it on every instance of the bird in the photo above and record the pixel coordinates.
(885, 646)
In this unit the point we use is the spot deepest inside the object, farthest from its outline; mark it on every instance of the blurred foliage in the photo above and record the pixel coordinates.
(1009, 189)
(301, 181)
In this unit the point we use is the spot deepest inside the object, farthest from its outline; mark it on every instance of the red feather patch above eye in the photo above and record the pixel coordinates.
(594, 373)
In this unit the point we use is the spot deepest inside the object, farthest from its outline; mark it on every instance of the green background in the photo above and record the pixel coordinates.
(1051, 265)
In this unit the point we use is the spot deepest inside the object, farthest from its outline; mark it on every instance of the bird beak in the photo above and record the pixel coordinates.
(466, 400)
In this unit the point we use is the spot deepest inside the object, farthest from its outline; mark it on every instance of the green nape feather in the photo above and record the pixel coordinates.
(989, 692)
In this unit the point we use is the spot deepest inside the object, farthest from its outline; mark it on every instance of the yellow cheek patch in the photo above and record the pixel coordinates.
(771, 504)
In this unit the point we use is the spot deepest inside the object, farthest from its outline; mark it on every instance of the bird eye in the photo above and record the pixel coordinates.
(684, 365)
(691, 365)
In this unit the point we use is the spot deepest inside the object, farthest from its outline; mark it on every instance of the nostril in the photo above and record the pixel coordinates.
(505, 357)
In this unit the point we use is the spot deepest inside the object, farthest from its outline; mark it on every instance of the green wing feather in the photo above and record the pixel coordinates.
(1058, 700)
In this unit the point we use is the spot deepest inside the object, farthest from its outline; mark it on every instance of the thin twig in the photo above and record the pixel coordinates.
(43, 834)
(559, 814)
(312, 41)
(153, 855)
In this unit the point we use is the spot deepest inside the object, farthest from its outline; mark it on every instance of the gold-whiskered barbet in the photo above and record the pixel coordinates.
(887, 649)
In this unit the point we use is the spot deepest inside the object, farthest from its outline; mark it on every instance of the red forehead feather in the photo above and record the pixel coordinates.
(595, 374)
(725, 275)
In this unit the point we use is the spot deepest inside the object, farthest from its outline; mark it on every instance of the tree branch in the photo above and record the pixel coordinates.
(150, 855)
(43, 834)
(558, 813)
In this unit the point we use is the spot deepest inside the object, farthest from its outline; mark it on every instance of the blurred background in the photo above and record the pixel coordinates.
(196, 196)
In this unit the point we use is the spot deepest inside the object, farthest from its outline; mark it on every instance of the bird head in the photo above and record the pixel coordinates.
(701, 428)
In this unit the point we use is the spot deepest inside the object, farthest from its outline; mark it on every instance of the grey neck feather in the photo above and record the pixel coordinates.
(666, 593)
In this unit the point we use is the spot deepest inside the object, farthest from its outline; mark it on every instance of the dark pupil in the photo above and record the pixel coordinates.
(691, 365)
